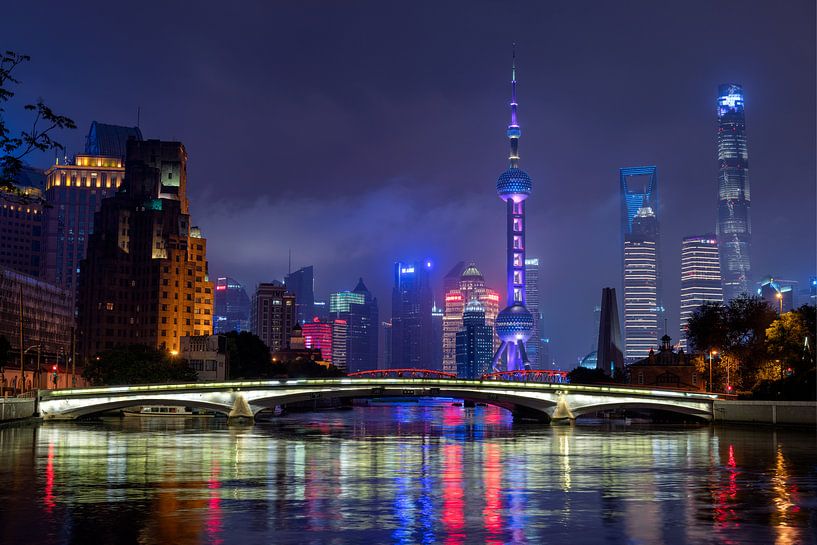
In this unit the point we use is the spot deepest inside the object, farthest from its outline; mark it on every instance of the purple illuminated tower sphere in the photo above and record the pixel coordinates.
(514, 325)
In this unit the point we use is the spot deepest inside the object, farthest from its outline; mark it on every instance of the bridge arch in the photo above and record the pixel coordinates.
(642, 404)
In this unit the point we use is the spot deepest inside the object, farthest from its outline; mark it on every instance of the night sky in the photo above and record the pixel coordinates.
(360, 133)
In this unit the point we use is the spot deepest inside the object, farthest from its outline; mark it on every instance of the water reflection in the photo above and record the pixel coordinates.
(415, 473)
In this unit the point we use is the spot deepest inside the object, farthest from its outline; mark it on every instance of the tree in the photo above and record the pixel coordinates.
(247, 356)
(13, 148)
(707, 327)
(747, 319)
(583, 375)
(790, 340)
(305, 368)
(137, 364)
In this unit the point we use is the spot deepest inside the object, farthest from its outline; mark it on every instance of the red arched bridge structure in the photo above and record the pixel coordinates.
(402, 373)
(537, 395)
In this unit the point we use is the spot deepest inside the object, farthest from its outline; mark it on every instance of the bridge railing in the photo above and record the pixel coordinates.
(548, 376)
(402, 373)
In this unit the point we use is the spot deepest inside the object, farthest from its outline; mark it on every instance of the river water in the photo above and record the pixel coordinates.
(407, 473)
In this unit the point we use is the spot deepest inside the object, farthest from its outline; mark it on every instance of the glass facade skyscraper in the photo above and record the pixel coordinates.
(700, 277)
(532, 289)
(411, 332)
(301, 284)
(474, 343)
(232, 307)
(358, 310)
(734, 228)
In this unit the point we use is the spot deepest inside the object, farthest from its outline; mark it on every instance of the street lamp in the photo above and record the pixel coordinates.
(22, 371)
(780, 299)
(712, 354)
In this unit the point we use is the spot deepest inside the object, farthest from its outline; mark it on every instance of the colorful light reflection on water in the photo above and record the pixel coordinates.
(412, 473)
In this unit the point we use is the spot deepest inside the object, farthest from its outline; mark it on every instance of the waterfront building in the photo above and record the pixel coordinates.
(301, 284)
(296, 348)
(74, 192)
(22, 230)
(474, 343)
(666, 369)
(359, 311)
(642, 308)
(411, 331)
(514, 324)
(700, 277)
(610, 350)
(437, 315)
(471, 285)
(273, 315)
(145, 277)
(206, 355)
(532, 289)
(779, 294)
(734, 227)
(232, 306)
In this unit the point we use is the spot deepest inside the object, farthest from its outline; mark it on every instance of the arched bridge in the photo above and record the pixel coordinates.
(546, 401)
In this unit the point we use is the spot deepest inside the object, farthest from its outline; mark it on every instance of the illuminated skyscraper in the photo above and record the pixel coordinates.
(700, 277)
(144, 279)
(641, 307)
(471, 285)
(514, 325)
(641, 263)
(474, 343)
(358, 310)
(609, 353)
(232, 307)
(318, 334)
(734, 224)
(411, 331)
(532, 289)
(437, 340)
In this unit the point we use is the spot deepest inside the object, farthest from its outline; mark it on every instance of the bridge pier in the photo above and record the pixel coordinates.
(240, 414)
(562, 415)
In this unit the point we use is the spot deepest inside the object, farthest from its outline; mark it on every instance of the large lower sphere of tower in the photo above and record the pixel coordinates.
(514, 323)
(514, 184)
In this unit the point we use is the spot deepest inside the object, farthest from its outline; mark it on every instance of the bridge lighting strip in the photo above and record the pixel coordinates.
(488, 384)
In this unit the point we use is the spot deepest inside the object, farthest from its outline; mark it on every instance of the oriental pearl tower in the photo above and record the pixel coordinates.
(514, 325)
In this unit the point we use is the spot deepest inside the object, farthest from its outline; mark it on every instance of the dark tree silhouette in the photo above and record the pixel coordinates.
(15, 146)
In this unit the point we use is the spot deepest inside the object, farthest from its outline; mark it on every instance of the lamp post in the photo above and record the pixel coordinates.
(22, 372)
(712, 354)
(780, 300)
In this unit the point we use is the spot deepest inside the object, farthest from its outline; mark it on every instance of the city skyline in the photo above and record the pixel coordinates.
(402, 182)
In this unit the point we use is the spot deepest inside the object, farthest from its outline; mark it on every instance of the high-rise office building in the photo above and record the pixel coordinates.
(319, 335)
(532, 289)
(74, 192)
(340, 344)
(385, 359)
(437, 316)
(301, 284)
(610, 350)
(471, 285)
(22, 230)
(514, 325)
(411, 332)
(451, 280)
(474, 343)
(734, 226)
(641, 263)
(232, 306)
(700, 277)
(358, 309)
(273, 315)
(144, 279)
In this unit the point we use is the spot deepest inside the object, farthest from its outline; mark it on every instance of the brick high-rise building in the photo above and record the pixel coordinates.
(273, 315)
(144, 279)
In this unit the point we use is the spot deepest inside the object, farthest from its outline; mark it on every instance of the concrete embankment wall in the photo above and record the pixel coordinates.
(16, 409)
(793, 413)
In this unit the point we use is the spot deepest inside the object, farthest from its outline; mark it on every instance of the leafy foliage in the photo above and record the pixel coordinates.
(305, 368)
(137, 364)
(13, 148)
(247, 356)
(583, 375)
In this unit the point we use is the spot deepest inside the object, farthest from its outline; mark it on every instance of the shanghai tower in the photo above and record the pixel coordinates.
(734, 226)
(514, 325)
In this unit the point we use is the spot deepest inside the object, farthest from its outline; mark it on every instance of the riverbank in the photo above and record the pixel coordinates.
(15, 410)
(773, 413)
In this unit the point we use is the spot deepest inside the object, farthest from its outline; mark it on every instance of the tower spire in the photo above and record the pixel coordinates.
(513, 129)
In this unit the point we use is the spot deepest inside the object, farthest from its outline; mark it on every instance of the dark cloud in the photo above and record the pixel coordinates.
(360, 133)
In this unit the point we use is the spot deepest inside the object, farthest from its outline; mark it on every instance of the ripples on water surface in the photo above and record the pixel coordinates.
(404, 474)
